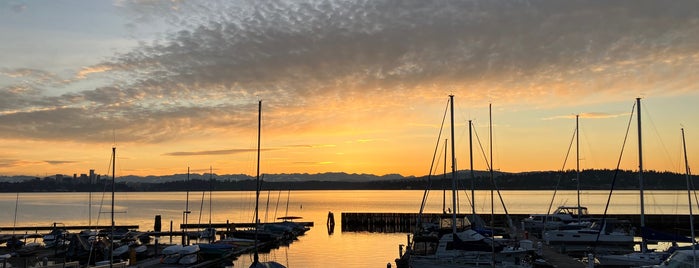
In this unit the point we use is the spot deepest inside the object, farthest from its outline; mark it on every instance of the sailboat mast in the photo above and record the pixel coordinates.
(492, 177)
(453, 169)
(444, 190)
(111, 234)
(211, 178)
(689, 196)
(256, 257)
(640, 175)
(473, 177)
(577, 161)
(185, 215)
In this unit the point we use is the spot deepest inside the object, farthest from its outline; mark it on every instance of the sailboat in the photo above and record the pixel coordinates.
(208, 233)
(461, 246)
(110, 260)
(645, 256)
(685, 257)
(609, 235)
(256, 259)
(569, 217)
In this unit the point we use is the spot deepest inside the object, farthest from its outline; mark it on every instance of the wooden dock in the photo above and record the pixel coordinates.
(406, 222)
(71, 227)
(231, 225)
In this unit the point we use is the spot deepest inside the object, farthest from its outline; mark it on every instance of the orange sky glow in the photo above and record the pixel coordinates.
(346, 87)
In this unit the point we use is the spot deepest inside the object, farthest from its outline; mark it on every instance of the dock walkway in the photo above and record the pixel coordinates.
(552, 255)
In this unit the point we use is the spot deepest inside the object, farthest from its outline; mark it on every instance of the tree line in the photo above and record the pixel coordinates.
(603, 179)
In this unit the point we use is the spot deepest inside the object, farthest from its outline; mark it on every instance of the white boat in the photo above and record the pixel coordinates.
(56, 238)
(680, 259)
(140, 249)
(170, 258)
(121, 250)
(633, 259)
(208, 233)
(115, 264)
(482, 251)
(189, 259)
(191, 249)
(562, 216)
(605, 235)
(172, 249)
(610, 235)
(3, 261)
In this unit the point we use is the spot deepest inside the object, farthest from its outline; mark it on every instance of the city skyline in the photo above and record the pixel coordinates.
(356, 87)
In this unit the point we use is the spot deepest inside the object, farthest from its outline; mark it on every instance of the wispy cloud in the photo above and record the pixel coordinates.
(215, 152)
(590, 115)
(60, 162)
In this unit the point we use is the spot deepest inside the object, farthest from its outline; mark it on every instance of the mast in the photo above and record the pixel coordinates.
(256, 257)
(453, 169)
(473, 177)
(577, 161)
(492, 177)
(211, 178)
(640, 176)
(444, 190)
(689, 197)
(185, 213)
(111, 233)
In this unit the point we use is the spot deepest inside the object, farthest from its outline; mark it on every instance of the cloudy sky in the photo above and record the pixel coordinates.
(347, 86)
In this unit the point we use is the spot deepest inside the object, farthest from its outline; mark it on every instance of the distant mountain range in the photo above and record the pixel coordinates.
(537, 180)
(292, 177)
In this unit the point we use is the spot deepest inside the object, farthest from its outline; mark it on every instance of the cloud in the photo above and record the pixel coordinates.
(215, 152)
(217, 58)
(93, 69)
(590, 115)
(59, 162)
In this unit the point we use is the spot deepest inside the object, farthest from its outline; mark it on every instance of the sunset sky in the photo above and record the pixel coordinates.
(347, 86)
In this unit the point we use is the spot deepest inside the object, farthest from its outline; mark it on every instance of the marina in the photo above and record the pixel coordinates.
(371, 247)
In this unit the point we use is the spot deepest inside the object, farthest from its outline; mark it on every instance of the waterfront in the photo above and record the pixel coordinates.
(317, 248)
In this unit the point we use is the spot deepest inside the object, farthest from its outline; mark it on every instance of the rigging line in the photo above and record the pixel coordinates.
(655, 130)
(495, 185)
(468, 197)
(14, 223)
(429, 176)
(276, 208)
(616, 173)
(478, 139)
(565, 161)
(201, 207)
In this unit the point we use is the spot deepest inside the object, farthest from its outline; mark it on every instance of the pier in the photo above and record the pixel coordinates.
(406, 222)
(71, 227)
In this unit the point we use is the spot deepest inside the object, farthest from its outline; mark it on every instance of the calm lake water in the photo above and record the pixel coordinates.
(317, 248)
